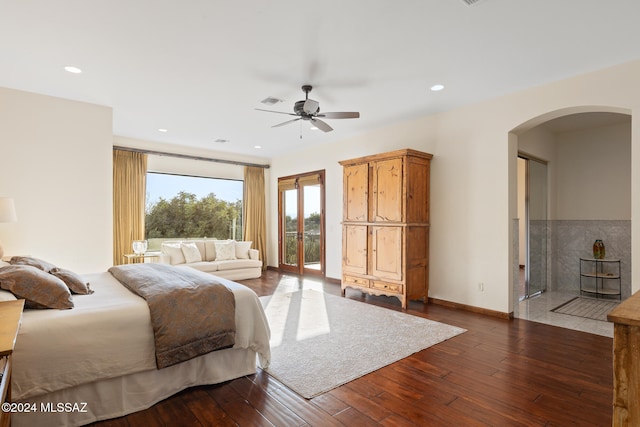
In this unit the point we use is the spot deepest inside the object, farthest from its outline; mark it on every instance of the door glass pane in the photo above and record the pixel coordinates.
(290, 227)
(311, 197)
(537, 227)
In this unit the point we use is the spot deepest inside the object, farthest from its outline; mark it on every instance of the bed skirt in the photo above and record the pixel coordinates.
(115, 397)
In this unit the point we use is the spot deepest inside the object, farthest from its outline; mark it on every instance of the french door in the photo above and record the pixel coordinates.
(301, 225)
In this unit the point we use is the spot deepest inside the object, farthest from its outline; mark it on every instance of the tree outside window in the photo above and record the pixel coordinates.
(184, 207)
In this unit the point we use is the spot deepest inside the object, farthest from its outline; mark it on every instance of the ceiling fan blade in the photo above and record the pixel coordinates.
(310, 106)
(286, 123)
(279, 112)
(324, 127)
(340, 115)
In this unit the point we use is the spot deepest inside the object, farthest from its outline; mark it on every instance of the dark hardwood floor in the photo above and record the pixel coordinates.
(498, 373)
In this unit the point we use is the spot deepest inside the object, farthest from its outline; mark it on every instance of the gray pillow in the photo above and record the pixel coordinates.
(34, 262)
(73, 281)
(38, 288)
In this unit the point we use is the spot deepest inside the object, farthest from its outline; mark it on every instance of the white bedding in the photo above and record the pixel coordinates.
(108, 335)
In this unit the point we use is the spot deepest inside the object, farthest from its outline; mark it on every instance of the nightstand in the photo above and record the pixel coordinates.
(10, 317)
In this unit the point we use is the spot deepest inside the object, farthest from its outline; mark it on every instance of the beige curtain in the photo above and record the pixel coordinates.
(129, 193)
(254, 211)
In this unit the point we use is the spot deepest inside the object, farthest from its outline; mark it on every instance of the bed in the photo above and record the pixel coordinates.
(97, 360)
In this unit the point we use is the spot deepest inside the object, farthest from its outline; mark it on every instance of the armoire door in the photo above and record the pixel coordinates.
(387, 198)
(354, 249)
(386, 247)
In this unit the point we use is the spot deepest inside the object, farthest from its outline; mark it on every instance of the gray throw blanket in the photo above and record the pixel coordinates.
(191, 312)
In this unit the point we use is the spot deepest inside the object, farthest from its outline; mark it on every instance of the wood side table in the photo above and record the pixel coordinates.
(135, 258)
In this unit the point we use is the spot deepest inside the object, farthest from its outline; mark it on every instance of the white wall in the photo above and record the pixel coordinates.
(473, 190)
(594, 177)
(55, 161)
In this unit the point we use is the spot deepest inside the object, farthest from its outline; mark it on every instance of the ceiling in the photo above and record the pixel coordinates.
(199, 68)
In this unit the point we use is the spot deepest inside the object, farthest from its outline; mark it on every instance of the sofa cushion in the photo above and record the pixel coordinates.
(174, 251)
(206, 266)
(201, 248)
(210, 250)
(225, 250)
(237, 264)
(242, 249)
(191, 252)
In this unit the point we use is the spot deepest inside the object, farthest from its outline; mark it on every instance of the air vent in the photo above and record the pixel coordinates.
(470, 2)
(271, 100)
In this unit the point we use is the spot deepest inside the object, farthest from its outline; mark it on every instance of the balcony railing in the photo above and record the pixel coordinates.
(311, 247)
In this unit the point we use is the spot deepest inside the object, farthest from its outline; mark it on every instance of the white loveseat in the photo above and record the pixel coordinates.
(230, 259)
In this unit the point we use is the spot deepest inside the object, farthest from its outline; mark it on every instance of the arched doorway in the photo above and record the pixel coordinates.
(577, 144)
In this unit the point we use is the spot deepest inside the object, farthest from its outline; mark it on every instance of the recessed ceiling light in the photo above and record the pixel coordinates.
(437, 88)
(162, 130)
(221, 141)
(257, 146)
(71, 69)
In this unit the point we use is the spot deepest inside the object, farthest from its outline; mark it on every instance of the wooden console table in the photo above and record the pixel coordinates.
(10, 317)
(626, 361)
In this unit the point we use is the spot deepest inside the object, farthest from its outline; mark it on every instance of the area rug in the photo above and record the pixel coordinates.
(587, 307)
(321, 341)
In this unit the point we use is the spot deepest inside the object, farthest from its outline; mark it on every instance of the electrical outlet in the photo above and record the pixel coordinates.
(481, 287)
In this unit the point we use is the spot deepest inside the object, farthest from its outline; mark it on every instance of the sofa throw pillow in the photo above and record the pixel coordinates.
(174, 251)
(191, 252)
(225, 250)
(34, 262)
(38, 288)
(73, 281)
(242, 250)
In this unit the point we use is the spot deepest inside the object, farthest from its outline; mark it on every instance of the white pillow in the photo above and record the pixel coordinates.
(191, 252)
(174, 251)
(200, 245)
(242, 250)
(6, 296)
(225, 250)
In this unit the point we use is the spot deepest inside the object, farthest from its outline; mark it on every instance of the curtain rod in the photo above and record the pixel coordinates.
(189, 157)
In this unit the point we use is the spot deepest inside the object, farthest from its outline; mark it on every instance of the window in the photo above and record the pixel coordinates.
(187, 207)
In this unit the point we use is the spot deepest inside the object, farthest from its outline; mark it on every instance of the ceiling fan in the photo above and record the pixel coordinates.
(309, 110)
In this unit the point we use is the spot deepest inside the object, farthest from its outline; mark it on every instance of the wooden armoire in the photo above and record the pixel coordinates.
(385, 225)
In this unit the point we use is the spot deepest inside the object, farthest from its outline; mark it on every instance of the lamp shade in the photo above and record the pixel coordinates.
(7, 210)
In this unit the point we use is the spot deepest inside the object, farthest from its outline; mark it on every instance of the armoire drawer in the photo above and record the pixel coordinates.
(386, 286)
(356, 281)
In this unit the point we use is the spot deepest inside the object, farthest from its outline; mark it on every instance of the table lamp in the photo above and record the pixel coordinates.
(7, 214)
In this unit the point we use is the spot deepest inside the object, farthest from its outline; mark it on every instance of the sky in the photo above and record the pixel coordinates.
(168, 186)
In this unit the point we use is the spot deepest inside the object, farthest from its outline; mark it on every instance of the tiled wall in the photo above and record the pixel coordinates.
(572, 239)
